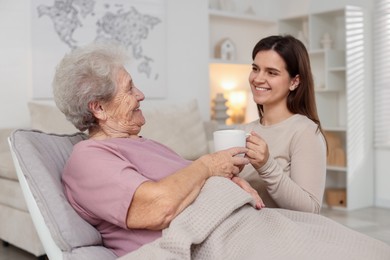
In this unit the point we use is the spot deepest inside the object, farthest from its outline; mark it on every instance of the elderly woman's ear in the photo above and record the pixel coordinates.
(97, 110)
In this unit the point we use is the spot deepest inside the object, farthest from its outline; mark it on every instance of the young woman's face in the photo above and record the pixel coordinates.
(269, 80)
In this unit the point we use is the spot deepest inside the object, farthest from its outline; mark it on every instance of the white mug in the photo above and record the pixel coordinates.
(225, 139)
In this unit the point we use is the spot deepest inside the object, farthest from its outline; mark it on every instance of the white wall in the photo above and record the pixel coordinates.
(187, 58)
(15, 62)
(382, 178)
(187, 53)
(382, 155)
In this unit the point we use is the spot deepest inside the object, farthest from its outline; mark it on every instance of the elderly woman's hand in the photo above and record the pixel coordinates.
(258, 152)
(225, 163)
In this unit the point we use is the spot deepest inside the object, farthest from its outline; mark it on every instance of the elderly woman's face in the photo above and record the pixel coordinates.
(123, 111)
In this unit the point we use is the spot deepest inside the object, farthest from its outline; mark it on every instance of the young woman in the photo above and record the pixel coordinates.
(287, 148)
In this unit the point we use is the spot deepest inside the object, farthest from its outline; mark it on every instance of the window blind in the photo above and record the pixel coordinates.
(381, 34)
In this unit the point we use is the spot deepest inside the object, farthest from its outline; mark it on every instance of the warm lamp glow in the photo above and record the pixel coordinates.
(237, 105)
(228, 85)
(238, 99)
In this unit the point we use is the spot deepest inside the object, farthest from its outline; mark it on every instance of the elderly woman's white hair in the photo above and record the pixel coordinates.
(83, 76)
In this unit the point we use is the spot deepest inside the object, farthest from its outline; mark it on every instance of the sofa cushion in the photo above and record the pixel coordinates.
(7, 169)
(48, 118)
(11, 194)
(178, 126)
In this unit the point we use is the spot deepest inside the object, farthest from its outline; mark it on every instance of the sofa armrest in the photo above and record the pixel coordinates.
(210, 127)
(4, 134)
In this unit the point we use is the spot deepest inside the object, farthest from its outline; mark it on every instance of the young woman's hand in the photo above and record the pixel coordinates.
(259, 204)
(258, 152)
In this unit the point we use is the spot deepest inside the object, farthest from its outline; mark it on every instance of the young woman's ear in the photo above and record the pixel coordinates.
(97, 110)
(294, 83)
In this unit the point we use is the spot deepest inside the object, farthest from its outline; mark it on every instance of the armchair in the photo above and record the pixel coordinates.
(39, 159)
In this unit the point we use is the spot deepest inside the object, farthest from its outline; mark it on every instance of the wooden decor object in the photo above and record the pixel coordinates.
(336, 197)
(336, 155)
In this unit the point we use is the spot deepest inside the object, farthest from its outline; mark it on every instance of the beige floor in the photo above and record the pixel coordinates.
(12, 253)
(374, 222)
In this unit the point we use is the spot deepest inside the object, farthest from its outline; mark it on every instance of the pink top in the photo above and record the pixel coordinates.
(101, 177)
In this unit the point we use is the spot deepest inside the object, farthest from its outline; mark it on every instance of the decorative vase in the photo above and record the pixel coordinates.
(220, 109)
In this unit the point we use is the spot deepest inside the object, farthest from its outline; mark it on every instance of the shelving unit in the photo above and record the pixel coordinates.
(244, 31)
(342, 95)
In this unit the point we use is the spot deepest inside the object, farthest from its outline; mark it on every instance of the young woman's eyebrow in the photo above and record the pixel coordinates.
(273, 69)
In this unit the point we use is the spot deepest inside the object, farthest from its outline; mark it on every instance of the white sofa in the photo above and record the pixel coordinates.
(178, 126)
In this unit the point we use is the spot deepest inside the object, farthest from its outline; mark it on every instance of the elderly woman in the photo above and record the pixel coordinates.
(127, 186)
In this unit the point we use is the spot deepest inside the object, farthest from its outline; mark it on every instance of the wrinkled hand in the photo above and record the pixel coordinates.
(258, 152)
(225, 163)
(259, 204)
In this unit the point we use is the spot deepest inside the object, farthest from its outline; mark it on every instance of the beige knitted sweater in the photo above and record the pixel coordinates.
(294, 176)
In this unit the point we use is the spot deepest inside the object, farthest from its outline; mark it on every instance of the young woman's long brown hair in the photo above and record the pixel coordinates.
(293, 52)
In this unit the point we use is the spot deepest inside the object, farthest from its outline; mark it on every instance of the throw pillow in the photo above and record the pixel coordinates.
(48, 118)
(178, 126)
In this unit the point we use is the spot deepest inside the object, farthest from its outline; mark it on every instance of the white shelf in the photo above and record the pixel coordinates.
(317, 51)
(337, 69)
(238, 16)
(236, 62)
(340, 208)
(335, 129)
(324, 90)
(337, 168)
(243, 30)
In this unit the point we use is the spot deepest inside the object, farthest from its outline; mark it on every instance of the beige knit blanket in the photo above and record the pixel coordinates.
(222, 224)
